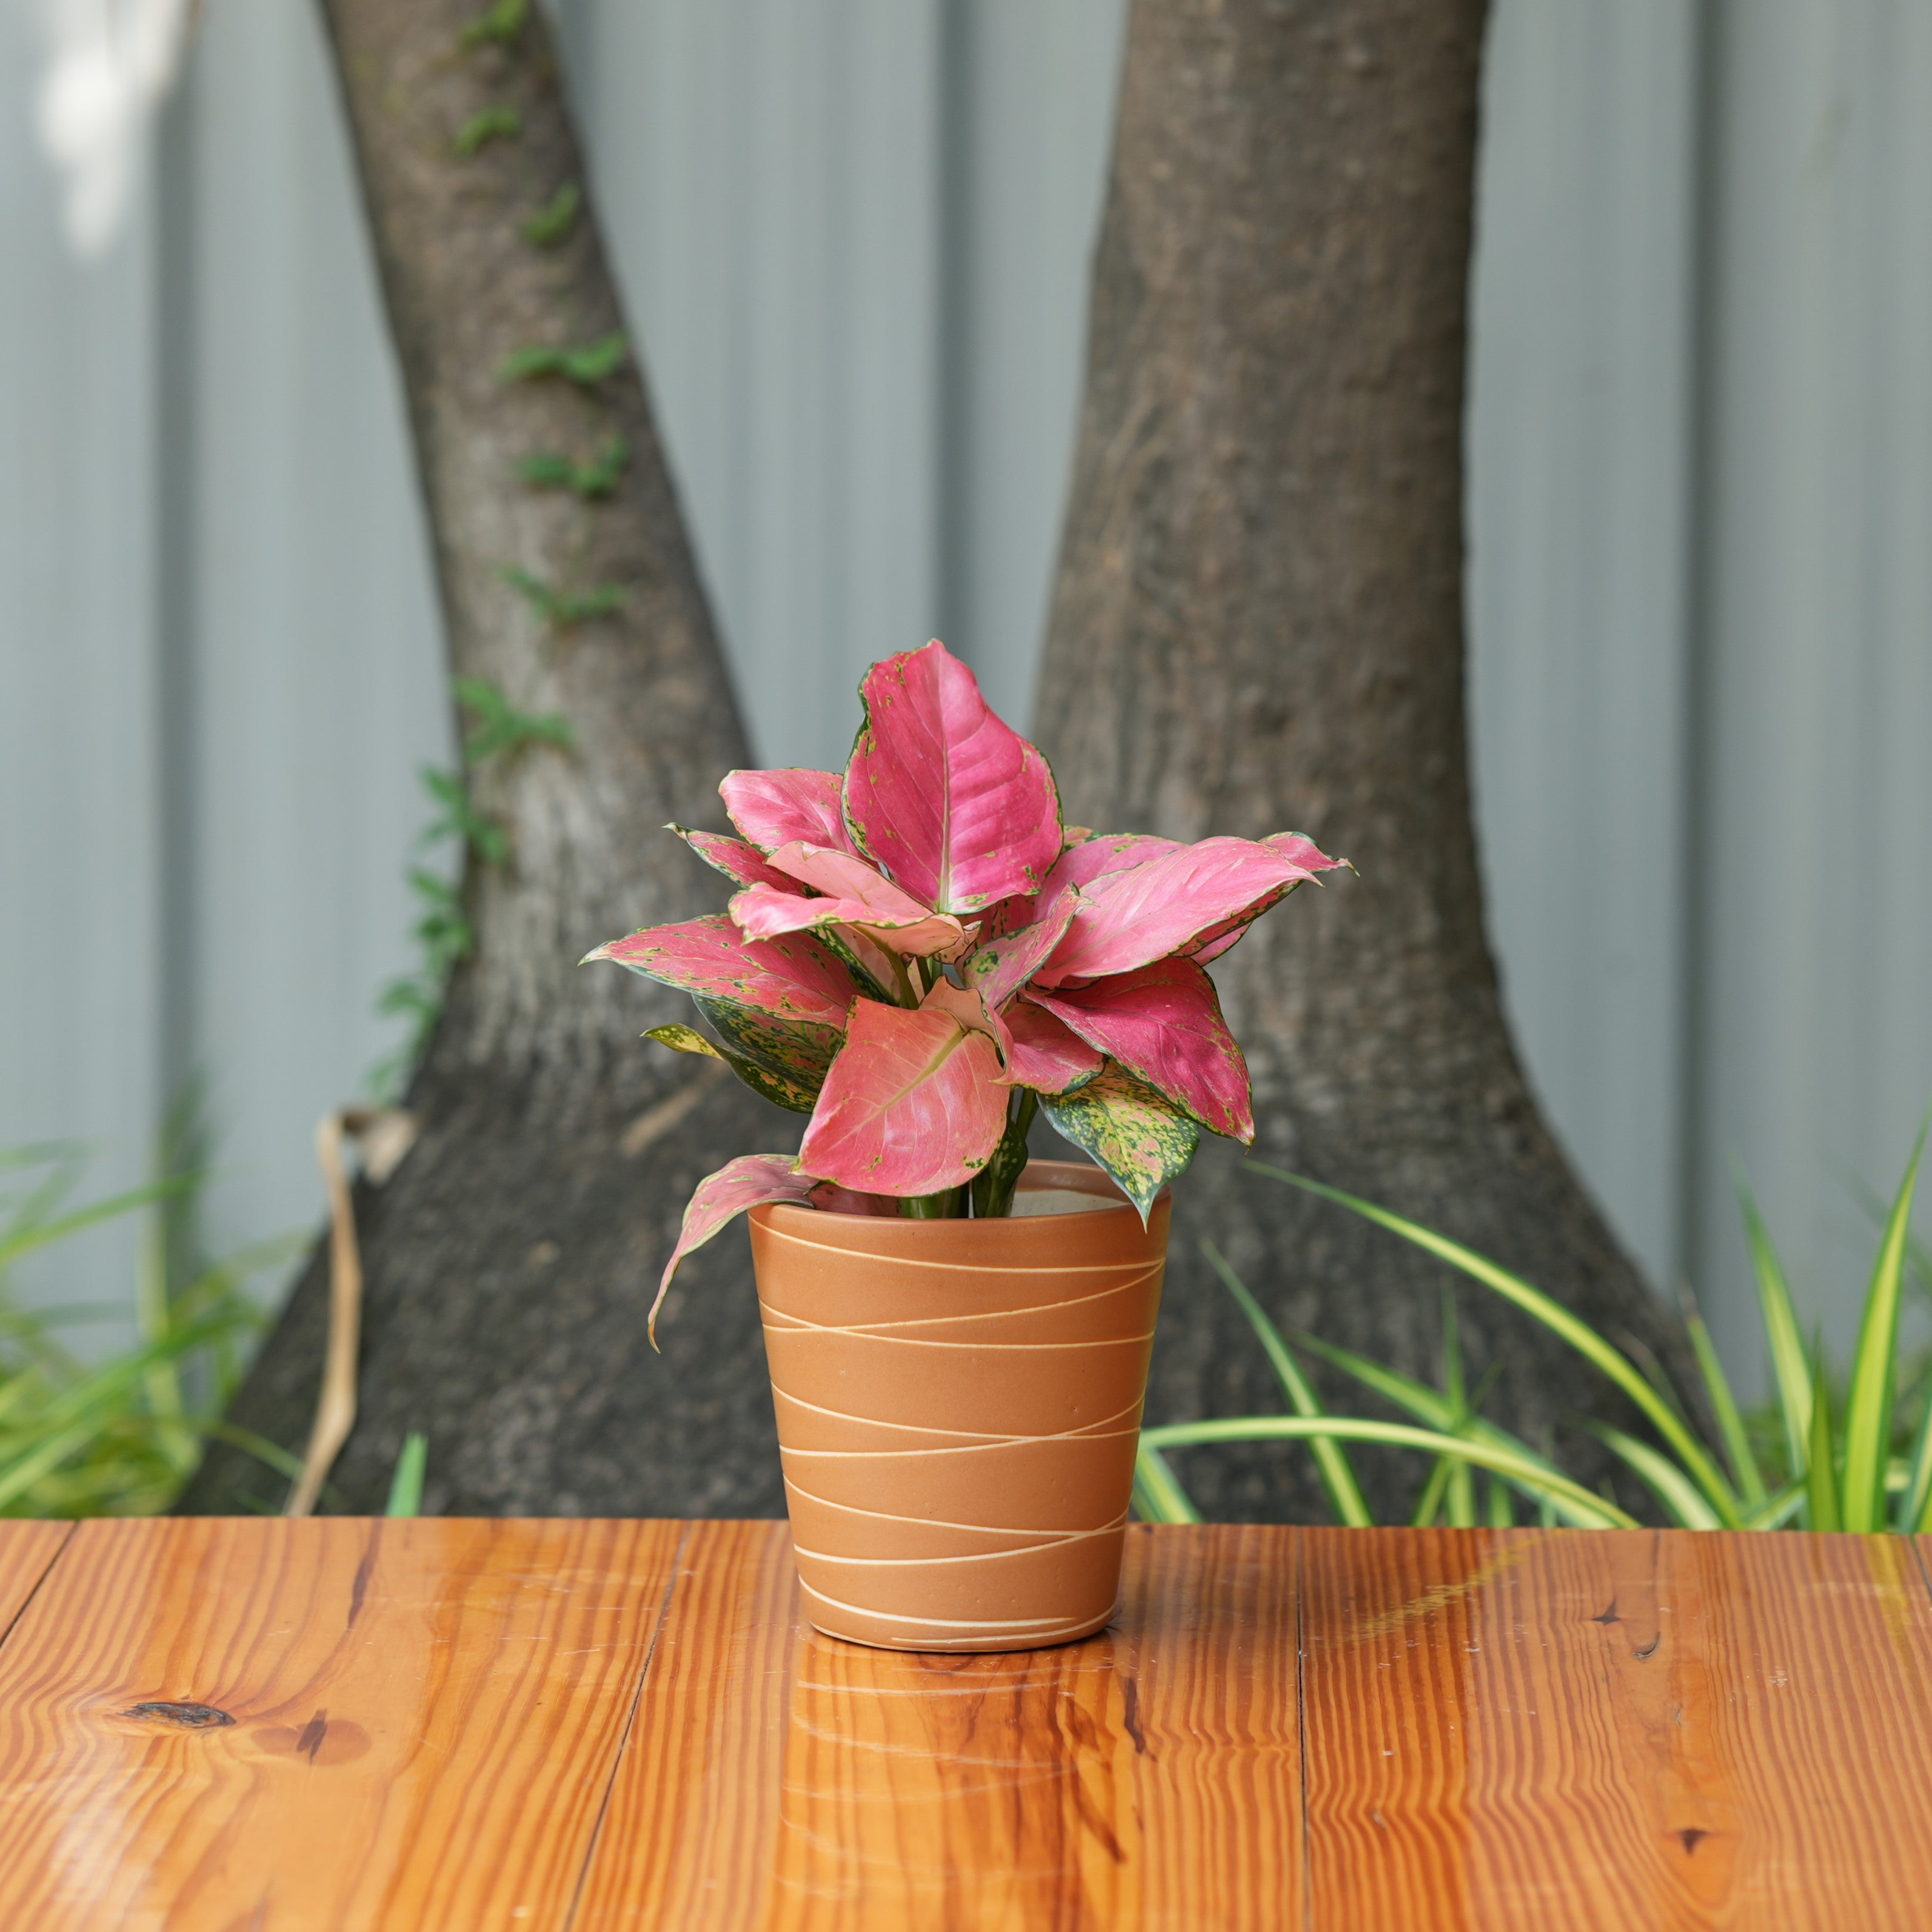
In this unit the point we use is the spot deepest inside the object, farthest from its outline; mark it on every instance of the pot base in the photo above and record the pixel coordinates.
(850, 1625)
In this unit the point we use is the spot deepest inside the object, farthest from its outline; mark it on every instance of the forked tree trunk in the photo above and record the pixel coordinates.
(510, 1260)
(1258, 625)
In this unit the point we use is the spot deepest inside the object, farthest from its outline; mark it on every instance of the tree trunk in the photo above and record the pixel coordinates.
(1258, 625)
(510, 1260)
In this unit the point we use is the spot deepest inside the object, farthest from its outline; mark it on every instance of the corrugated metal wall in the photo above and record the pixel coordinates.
(853, 236)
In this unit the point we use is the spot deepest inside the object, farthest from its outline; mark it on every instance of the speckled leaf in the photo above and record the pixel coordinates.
(1163, 1024)
(868, 962)
(793, 978)
(774, 808)
(684, 1040)
(796, 1095)
(736, 858)
(720, 1198)
(1294, 845)
(913, 1103)
(796, 1050)
(950, 800)
(1001, 967)
(851, 894)
(1044, 1053)
(1138, 1135)
(1099, 853)
(1168, 904)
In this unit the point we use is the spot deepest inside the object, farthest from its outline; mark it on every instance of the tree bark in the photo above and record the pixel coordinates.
(510, 1260)
(1258, 625)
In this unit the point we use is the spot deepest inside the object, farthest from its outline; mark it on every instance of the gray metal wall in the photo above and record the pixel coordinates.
(853, 235)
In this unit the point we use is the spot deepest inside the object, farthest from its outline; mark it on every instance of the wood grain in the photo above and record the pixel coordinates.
(296, 1725)
(27, 1552)
(1524, 1729)
(1149, 1777)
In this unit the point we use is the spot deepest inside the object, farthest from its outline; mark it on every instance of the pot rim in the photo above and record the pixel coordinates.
(1114, 1220)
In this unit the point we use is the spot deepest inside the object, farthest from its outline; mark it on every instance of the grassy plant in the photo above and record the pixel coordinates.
(119, 1437)
(405, 1486)
(1862, 1462)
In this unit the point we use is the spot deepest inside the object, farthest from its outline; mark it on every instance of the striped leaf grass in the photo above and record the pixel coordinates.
(119, 1436)
(1833, 1468)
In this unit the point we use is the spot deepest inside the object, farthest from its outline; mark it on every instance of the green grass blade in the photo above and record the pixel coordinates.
(1821, 1492)
(1157, 1489)
(14, 1247)
(1574, 1502)
(1401, 1391)
(1430, 1501)
(1788, 1367)
(1331, 1460)
(1430, 1409)
(1682, 1500)
(1745, 1471)
(1915, 1506)
(1458, 1501)
(1501, 1510)
(405, 1486)
(1875, 1367)
(1695, 1459)
(1779, 1511)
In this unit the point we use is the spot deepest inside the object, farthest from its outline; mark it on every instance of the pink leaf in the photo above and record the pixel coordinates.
(1163, 1024)
(912, 1104)
(736, 858)
(764, 911)
(774, 808)
(750, 1180)
(1303, 851)
(1100, 853)
(1167, 905)
(830, 1197)
(968, 1005)
(1001, 967)
(1007, 915)
(794, 978)
(955, 804)
(1044, 1053)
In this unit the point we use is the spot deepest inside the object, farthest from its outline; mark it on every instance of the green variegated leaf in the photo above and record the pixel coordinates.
(780, 1089)
(799, 1050)
(1139, 1136)
(683, 1040)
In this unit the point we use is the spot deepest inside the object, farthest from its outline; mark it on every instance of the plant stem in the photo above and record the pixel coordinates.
(948, 1204)
(993, 1187)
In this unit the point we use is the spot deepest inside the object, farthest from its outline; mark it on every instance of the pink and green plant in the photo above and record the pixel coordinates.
(920, 954)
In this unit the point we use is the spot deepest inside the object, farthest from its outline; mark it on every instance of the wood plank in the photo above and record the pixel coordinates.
(296, 1725)
(27, 1553)
(780, 1780)
(1529, 1730)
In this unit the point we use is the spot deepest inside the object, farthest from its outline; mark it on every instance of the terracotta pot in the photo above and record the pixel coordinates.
(958, 1405)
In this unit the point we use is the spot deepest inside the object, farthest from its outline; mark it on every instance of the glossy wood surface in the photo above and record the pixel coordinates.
(27, 1552)
(300, 1726)
(272, 1724)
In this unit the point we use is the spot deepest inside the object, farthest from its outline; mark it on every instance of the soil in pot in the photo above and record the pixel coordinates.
(958, 1404)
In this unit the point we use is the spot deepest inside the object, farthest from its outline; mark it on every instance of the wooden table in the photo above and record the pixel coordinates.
(264, 1725)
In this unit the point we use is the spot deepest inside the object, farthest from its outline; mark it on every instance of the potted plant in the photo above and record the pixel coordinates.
(919, 955)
